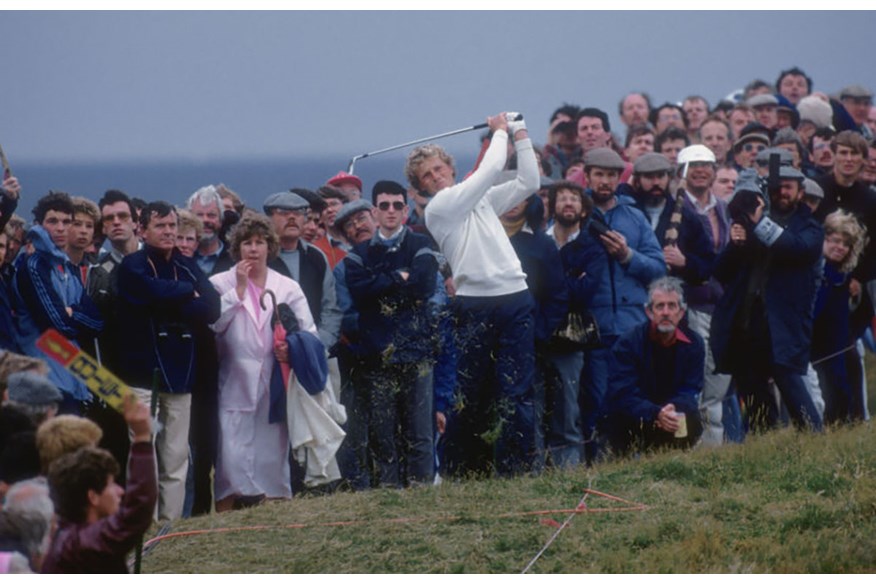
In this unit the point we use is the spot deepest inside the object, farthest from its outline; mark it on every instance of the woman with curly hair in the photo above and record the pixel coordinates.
(844, 240)
(252, 461)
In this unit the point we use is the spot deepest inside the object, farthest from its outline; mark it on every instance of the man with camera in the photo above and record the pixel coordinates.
(608, 267)
(762, 325)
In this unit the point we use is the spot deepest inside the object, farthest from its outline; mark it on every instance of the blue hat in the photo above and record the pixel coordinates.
(32, 389)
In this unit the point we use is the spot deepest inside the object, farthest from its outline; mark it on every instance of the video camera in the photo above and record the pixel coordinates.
(745, 200)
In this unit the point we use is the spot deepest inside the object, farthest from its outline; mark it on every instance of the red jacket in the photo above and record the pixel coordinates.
(101, 547)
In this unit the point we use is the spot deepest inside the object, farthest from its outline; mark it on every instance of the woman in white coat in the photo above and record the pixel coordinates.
(252, 460)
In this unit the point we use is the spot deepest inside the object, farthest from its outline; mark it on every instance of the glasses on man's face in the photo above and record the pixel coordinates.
(110, 217)
(384, 205)
(358, 219)
(753, 147)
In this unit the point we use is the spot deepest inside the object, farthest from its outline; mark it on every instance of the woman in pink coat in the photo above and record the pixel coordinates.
(252, 460)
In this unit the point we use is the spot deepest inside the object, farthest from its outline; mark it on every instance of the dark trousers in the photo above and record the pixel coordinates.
(625, 435)
(755, 366)
(203, 439)
(493, 424)
(594, 386)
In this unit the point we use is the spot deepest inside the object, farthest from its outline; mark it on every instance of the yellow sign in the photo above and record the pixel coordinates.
(99, 380)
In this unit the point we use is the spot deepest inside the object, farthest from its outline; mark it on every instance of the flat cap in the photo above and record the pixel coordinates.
(789, 172)
(285, 200)
(32, 389)
(785, 158)
(350, 209)
(856, 92)
(762, 99)
(604, 158)
(651, 162)
(747, 182)
(812, 189)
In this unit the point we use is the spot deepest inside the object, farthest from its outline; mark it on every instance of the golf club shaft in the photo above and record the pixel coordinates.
(411, 143)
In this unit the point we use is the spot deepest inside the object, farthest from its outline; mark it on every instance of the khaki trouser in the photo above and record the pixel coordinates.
(171, 449)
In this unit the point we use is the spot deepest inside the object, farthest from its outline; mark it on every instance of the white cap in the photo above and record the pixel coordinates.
(695, 153)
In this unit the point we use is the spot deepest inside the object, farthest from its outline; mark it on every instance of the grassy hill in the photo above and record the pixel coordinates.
(782, 502)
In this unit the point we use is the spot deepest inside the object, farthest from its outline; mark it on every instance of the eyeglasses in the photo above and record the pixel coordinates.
(109, 218)
(359, 218)
(756, 147)
(384, 205)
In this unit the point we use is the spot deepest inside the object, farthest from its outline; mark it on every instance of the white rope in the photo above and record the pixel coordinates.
(558, 531)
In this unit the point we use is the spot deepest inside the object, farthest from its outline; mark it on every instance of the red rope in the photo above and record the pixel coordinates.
(580, 509)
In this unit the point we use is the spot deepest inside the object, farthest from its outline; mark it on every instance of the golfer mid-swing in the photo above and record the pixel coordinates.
(493, 308)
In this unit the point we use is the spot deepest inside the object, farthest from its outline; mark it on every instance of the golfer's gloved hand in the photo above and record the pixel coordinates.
(514, 126)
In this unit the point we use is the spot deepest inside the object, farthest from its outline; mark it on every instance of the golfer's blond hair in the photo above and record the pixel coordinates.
(419, 155)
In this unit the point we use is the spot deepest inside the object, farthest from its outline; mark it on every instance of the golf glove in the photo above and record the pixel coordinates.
(515, 126)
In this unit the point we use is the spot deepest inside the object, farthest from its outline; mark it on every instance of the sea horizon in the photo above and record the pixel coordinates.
(175, 180)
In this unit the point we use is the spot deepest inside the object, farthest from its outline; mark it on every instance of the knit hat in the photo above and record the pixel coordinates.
(343, 177)
(816, 110)
(285, 200)
(31, 389)
(604, 158)
(350, 209)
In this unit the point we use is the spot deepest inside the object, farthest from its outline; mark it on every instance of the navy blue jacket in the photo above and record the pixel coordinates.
(158, 295)
(394, 312)
(540, 259)
(789, 291)
(634, 387)
(693, 241)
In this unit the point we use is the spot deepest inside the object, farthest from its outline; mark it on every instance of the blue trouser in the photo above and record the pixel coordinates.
(594, 386)
(562, 385)
(493, 420)
(389, 426)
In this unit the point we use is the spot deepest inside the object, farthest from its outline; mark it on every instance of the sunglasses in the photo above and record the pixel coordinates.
(384, 205)
(756, 147)
(109, 218)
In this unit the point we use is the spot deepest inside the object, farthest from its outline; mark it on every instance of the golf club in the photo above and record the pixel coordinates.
(353, 160)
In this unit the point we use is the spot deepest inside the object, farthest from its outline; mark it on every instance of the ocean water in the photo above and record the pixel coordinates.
(174, 181)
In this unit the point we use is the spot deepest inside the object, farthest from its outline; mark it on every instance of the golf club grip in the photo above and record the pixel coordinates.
(517, 118)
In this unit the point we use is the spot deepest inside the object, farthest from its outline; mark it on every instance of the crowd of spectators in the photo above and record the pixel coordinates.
(703, 273)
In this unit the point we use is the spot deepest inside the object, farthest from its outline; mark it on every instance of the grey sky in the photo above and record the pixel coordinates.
(97, 85)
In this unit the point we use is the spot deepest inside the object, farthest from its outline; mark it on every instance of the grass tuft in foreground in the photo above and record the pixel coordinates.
(783, 502)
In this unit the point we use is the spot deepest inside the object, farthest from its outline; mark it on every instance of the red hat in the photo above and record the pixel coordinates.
(343, 177)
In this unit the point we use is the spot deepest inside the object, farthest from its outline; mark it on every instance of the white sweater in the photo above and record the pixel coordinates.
(464, 220)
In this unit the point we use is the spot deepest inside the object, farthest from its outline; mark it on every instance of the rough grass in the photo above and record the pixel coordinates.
(783, 502)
